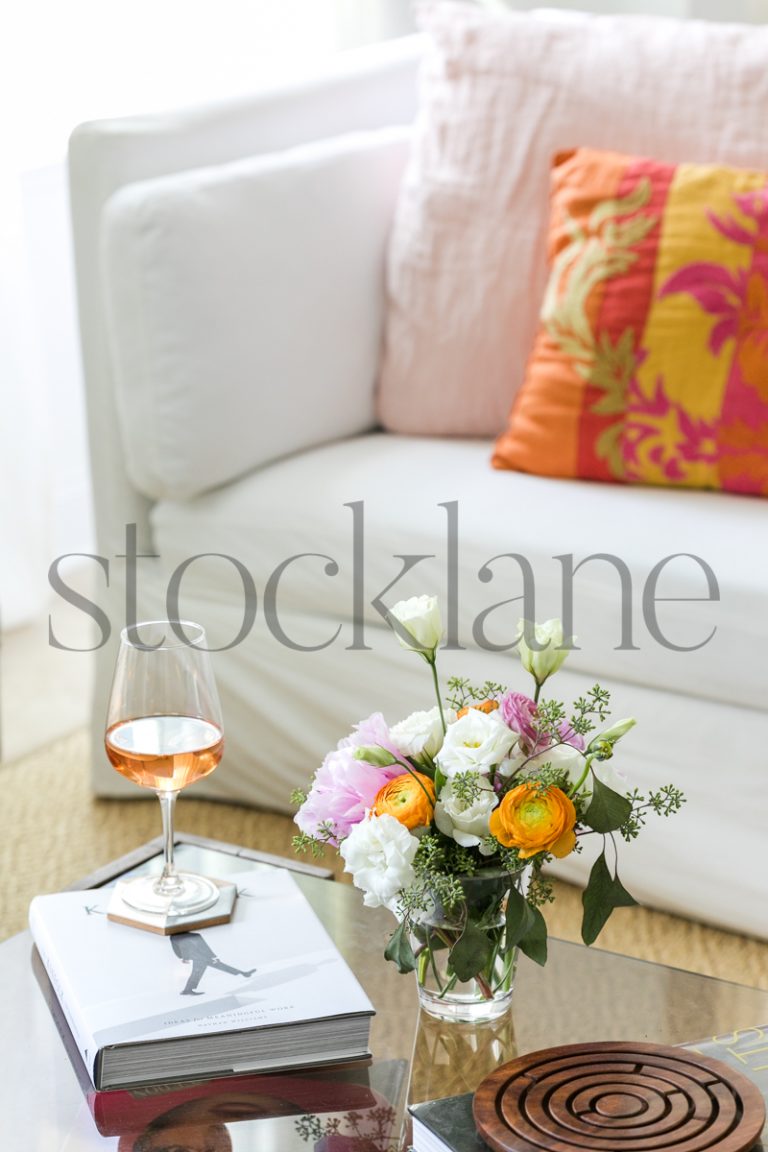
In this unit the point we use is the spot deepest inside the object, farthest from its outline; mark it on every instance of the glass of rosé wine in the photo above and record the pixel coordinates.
(164, 731)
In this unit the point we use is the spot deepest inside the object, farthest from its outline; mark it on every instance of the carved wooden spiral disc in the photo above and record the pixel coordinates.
(617, 1096)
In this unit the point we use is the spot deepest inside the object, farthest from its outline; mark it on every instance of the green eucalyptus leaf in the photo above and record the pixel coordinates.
(602, 894)
(607, 809)
(526, 927)
(471, 952)
(519, 917)
(534, 943)
(399, 949)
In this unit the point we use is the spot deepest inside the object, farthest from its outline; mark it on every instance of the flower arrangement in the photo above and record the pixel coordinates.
(490, 784)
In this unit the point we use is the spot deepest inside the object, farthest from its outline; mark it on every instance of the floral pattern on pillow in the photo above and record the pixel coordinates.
(651, 360)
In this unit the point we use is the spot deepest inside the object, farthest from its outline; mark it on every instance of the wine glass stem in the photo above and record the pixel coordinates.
(168, 883)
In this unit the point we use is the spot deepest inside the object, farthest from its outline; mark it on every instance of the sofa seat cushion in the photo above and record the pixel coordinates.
(322, 534)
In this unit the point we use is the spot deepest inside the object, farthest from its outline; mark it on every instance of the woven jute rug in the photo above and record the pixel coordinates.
(55, 831)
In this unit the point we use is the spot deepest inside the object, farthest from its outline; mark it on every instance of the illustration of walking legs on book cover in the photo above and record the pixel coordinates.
(194, 949)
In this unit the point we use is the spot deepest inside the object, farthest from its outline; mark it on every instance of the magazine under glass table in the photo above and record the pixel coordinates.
(582, 994)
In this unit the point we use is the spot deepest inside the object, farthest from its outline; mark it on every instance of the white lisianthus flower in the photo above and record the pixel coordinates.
(379, 854)
(549, 654)
(562, 757)
(566, 758)
(421, 733)
(476, 742)
(608, 775)
(466, 822)
(420, 617)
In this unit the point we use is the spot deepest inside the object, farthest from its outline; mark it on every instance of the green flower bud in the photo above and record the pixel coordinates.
(617, 730)
(550, 649)
(376, 755)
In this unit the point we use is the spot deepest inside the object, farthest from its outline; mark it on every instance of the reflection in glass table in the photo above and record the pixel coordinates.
(582, 994)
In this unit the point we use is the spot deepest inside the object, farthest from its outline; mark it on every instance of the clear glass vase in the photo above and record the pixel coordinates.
(477, 921)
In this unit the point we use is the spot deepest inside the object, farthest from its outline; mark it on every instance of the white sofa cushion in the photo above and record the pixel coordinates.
(399, 483)
(700, 715)
(245, 307)
(502, 92)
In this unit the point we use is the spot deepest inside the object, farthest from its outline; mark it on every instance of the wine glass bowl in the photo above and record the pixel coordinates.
(165, 753)
(163, 732)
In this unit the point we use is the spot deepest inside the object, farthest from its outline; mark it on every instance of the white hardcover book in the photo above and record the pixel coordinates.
(267, 991)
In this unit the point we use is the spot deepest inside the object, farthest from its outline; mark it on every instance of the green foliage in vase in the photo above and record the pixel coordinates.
(449, 817)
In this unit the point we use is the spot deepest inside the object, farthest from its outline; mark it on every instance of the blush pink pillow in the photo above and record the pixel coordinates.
(501, 94)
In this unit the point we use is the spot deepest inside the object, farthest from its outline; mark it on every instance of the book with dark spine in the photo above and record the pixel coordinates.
(268, 991)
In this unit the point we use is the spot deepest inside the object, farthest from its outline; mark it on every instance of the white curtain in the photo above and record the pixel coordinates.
(25, 512)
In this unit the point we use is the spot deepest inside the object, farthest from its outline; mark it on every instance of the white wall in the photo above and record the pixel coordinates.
(24, 488)
(45, 201)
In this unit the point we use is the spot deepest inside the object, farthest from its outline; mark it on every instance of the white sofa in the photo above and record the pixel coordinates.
(230, 264)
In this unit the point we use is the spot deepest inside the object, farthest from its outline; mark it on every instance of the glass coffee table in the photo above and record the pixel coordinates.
(582, 995)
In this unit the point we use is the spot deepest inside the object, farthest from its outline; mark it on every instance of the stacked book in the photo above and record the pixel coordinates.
(266, 992)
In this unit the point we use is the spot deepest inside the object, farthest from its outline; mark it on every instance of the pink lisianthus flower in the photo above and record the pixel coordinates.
(373, 731)
(518, 712)
(343, 787)
(568, 736)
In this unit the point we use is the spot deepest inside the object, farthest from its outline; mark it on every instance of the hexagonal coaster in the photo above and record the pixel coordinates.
(166, 923)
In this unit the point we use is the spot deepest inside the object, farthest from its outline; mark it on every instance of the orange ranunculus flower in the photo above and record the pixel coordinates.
(535, 819)
(486, 706)
(410, 798)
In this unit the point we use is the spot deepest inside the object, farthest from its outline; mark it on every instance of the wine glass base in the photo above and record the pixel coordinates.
(196, 894)
(168, 923)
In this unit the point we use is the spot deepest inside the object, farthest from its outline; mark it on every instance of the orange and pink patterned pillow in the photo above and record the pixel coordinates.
(651, 360)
